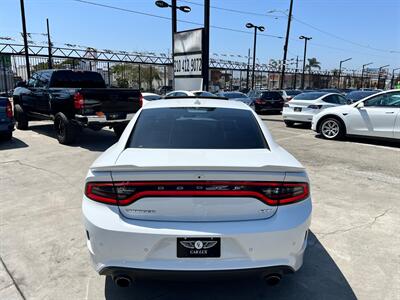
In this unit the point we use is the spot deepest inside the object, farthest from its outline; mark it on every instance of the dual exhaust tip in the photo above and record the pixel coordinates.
(124, 281)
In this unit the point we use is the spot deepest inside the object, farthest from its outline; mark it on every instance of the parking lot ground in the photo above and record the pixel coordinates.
(353, 249)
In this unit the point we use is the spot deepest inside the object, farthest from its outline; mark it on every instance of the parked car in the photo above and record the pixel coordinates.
(237, 96)
(289, 94)
(203, 94)
(304, 106)
(358, 95)
(196, 187)
(330, 91)
(165, 89)
(6, 119)
(179, 93)
(150, 97)
(74, 99)
(377, 116)
(266, 101)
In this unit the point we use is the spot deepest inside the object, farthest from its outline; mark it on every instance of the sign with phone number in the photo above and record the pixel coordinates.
(187, 65)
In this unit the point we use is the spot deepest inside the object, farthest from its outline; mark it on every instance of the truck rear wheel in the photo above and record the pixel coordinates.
(66, 131)
(21, 117)
(119, 129)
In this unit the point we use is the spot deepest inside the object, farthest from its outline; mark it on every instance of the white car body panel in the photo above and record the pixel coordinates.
(253, 234)
(306, 114)
(366, 121)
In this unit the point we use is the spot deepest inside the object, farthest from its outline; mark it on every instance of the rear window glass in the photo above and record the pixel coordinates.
(197, 128)
(271, 96)
(77, 79)
(309, 96)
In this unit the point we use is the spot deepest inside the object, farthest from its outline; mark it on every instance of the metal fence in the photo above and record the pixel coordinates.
(151, 71)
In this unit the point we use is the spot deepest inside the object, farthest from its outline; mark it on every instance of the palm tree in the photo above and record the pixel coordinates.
(313, 63)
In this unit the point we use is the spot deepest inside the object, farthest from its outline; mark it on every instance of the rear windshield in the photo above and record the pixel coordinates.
(292, 93)
(309, 96)
(76, 79)
(271, 96)
(234, 95)
(197, 128)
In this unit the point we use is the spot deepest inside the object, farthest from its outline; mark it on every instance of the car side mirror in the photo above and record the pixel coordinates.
(360, 105)
(21, 84)
(349, 102)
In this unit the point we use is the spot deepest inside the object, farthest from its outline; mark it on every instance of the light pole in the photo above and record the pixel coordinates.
(174, 8)
(362, 73)
(379, 75)
(306, 39)
(261, 28)
(340, 70)
(28, 71)
(392, 81)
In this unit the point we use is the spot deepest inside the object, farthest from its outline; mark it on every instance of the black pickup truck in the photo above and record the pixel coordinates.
(74, 99)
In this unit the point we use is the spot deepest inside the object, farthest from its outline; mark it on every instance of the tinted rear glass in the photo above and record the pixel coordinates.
(77, 79)
(233, 95)
(271, 95)
(293, 93)
(309, 96)
(197, 128)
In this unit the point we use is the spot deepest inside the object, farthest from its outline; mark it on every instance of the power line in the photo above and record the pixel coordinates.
(167, 18)
(300, 21)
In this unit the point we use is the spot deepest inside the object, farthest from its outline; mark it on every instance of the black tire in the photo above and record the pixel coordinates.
(66, 131)
(21, 117)
(119, 129)
(289, 123)
(332, 128)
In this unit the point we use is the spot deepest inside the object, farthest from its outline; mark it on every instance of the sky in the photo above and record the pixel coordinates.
(364, 30)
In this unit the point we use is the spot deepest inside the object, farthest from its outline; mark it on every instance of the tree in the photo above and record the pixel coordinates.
(313, 63)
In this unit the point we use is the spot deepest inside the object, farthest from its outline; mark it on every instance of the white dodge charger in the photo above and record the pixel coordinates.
(196, 186)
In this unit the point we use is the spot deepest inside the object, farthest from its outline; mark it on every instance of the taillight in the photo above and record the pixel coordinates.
(125, 193)
(315, 106)
(141, 100)
(79, 100)
(288, 98)
(260, 101)
(9, 111)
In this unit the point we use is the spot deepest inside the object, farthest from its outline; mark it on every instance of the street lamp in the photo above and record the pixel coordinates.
(362, 73)
(174, 8)
(392, 81)
(261, 28)
(306, 39)
(340, 69)
(379, 74)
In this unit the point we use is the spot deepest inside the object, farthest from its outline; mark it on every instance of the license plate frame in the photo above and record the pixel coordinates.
(198, 247)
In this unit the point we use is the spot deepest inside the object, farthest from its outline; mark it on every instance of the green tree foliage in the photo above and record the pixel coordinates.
(313, 63)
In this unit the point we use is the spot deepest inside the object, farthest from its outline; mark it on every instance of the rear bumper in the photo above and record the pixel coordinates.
(269, 106)
(7, 126)
(116, 242)
(304, 117)
(194, 275)
(100, 121)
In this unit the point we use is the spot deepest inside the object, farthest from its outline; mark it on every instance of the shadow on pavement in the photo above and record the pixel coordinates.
(87, 138)
(319, 278)
(368, 141)
(14, 143)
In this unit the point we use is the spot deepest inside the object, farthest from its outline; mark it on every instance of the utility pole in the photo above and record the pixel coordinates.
(206, 44)
(285, 47)
(379, 75)
(295, 73)
(248, 71)
(362, 73)
(28, 71)
(50, 62)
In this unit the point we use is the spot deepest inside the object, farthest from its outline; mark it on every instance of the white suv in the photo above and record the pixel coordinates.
(192, 186)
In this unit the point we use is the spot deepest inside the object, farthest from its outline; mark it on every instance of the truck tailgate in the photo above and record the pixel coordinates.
(110, 100)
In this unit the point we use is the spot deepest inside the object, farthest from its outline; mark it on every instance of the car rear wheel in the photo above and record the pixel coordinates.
(332, 128)
(289, 123)
(21, 117)
(65, 130)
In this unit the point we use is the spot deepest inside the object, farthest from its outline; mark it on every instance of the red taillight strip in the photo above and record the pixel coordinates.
(178, 193)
